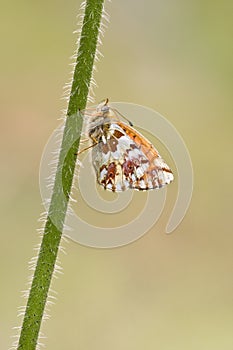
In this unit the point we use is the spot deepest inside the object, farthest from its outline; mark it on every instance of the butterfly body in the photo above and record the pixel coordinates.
(122, 157)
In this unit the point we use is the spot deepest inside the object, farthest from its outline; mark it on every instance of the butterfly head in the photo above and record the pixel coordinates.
(101, 120)
(103, 107)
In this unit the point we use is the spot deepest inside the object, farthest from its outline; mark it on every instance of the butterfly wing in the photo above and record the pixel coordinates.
(125, 159)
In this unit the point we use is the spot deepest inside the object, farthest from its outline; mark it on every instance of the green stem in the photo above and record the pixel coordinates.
(64, 176)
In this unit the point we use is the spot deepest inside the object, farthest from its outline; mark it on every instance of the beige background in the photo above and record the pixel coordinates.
(161, 292)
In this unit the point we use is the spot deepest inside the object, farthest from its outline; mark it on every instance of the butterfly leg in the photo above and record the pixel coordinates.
(85, 149)
(84, 140)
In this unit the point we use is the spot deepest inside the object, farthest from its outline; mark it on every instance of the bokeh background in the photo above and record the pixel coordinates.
(161, 292)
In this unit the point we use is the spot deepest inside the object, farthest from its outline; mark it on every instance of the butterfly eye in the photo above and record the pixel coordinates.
(105, 109)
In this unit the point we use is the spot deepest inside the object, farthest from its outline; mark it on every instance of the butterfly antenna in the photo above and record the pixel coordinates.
(122, 116)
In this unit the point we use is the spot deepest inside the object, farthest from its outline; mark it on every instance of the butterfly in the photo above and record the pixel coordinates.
(122, 157)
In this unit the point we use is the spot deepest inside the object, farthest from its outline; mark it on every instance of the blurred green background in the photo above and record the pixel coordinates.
(161, 292)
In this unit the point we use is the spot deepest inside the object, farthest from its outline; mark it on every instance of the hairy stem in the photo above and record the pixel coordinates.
(64, 176)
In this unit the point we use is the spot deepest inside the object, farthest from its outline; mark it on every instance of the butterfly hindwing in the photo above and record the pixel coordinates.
(123, 159)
